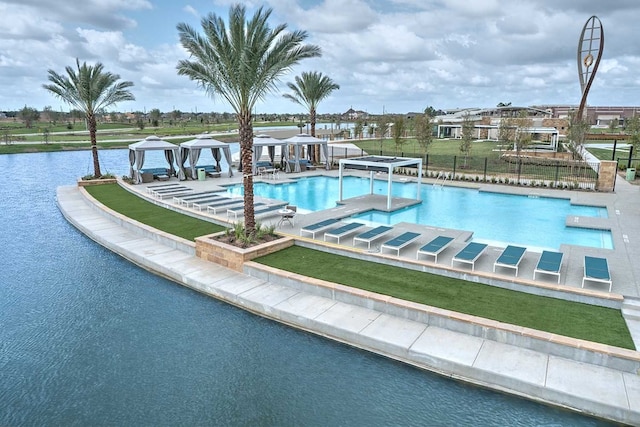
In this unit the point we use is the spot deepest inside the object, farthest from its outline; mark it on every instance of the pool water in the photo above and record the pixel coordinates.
(536, 222)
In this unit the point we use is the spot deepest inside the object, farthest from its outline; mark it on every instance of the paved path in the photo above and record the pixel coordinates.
(585, 387)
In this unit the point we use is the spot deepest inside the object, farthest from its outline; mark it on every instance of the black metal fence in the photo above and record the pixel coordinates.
(506, 169)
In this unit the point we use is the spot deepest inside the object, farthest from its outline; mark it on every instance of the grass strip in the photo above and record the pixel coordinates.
(572, 319)
(134, 207)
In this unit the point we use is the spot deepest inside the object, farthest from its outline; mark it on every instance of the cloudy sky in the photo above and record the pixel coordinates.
(391, 55)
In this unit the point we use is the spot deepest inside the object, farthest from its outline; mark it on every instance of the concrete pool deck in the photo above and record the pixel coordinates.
(495, 362)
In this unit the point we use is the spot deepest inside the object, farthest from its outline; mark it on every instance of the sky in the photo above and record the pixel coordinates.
(388, 56)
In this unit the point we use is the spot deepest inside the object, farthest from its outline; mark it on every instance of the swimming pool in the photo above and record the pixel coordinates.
(492, 217)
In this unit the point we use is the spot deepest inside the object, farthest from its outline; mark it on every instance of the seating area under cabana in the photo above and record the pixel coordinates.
(191, 150)
(262, 141)
(137, 152)
(298, 142)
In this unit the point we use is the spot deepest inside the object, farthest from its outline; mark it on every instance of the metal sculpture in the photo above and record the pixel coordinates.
(590, 50)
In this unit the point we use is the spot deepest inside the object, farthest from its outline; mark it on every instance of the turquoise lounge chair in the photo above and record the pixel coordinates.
(318, 226)
(220, 204)
(399, 242)
(235, 210)
(510, 258)
(434, 247)
(469, 254)
(596, 270)
(371, 235)
(268, 210)
(549, 263)
(342, 231)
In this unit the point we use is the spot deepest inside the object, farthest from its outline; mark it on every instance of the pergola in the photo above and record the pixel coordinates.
(136, 156)
(191, 150)
(379, 164)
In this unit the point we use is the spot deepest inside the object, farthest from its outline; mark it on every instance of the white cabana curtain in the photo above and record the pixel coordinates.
(257, 153)
(194, 155)
(192, 150)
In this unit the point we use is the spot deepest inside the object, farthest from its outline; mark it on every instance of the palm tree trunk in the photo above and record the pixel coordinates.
(91, 119)
(246, 150)
(315, 156)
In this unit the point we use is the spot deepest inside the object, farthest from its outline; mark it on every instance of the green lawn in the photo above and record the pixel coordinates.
(571, 319)
(132, 206)
(566, 318)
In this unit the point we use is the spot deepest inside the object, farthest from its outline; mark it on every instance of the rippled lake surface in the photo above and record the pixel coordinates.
(87, 338)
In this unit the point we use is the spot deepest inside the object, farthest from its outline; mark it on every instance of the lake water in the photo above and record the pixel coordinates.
(87, 338)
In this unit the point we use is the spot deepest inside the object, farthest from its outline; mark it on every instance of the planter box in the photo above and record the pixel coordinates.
(234, 257)
(86, 183)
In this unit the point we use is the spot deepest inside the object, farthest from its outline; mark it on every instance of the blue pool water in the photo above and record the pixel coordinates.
(89, 339)
(492, 217)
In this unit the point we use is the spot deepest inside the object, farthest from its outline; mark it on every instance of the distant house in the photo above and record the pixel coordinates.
(352, 114)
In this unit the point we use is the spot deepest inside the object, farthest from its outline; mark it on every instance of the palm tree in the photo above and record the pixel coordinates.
(90, 90)
(309, 89)
(242, 64)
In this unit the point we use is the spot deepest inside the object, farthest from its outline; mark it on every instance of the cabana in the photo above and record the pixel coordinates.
(379, 164)
(136, 156)
(191, 150)
(260, 141)
(302, 140)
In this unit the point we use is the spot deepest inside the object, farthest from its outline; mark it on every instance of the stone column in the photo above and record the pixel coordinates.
(607, 176)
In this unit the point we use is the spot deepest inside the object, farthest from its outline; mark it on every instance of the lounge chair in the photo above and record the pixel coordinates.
(371, 235)
(596, 270)
(434, 247)
(220, 205)
(397, 243)
(178, 192)
(163, 190)
(549, 263)
(185, 200)
(268, 210)
(469, 254)
(235, 210)
(318, 226)
(343, 231)
(510, 258)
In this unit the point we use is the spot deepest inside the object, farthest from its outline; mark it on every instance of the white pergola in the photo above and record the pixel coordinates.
(375, 164)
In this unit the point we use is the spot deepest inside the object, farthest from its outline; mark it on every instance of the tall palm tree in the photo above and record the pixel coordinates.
(309, 89)
(242, 64)
(89, 89)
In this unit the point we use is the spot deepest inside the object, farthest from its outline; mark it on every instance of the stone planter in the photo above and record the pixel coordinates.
(88, 182)
(234, 257)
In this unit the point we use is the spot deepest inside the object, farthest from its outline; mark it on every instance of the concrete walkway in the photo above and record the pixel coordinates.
(611, 391)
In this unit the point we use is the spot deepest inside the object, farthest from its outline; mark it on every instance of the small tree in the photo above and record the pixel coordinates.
(576, 133)
(632, 128)
(507, 131)
(45, 135)
(613, 125)
(523, 135)
(28, 115)
(467, 136)
(154, 116)
(382, 126)
(424, 132)
(398, 132)
(357, 129)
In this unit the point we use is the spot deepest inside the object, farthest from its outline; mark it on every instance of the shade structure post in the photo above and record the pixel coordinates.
(370, 182)
(419, 181)
(340, 181)
(389, 182)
